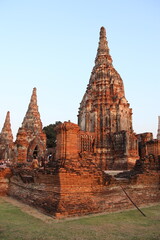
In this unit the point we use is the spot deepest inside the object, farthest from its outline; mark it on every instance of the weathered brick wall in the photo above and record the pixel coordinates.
(73, 193)
(153, 148)
(39, 190)
(148, 145)
(73, 143)
(86, 195)
(4, 181)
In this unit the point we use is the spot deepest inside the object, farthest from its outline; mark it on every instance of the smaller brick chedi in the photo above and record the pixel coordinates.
(105, 111)
(31, 140)
(6, 140)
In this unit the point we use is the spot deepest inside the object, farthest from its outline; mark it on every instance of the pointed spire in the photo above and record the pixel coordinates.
(103, 55)
(6, 133)
(32, 118)
(33, 102)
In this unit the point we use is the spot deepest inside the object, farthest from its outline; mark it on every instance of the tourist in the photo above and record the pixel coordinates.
(35, 163)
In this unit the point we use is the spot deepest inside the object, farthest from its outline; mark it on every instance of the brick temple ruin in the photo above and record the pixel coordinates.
(94, 159)
(105, 111)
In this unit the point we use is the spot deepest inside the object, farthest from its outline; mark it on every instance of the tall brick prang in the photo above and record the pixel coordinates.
(105, 111)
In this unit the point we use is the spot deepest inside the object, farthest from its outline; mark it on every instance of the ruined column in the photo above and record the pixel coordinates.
(158, 132)
(67, 141)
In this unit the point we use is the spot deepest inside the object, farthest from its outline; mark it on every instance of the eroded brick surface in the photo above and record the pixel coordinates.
(69, 192)
(31, 140)
(6, 140)
(5, 174)
(105, 111)
(77, 182)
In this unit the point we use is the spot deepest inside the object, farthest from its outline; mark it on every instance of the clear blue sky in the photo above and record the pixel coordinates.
(51, 45)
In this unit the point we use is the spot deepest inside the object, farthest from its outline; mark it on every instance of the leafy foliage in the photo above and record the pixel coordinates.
(51, 134)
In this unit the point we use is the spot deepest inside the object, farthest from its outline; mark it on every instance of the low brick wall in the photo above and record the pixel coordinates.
(69, 194)
(86, 196)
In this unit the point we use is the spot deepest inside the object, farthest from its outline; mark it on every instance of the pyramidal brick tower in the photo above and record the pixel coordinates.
(31, 140)
(105, 111)
(6, 139)
(6, 133)
(32, 120)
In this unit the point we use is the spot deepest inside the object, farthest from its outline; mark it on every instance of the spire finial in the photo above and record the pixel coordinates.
(33, 102)
(7, 121)
(34, 94)
(6, 133)
(102, 32)
(103, 55)
(32, 117)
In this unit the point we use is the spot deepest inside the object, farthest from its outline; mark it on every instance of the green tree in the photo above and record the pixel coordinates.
(51, 134)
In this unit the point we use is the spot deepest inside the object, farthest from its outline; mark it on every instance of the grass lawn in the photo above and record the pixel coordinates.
(131, 225)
